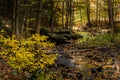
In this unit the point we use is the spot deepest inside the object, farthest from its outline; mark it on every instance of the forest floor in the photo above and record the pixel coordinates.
(77, 62)
(81, 61)
(89, 63)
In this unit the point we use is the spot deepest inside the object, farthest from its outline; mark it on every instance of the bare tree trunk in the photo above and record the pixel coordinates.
(67, 15)
(70, 9)
(54, 13)
(17, 20)
(63, 14)
(13, 20)
(39, 17)
(88, 13)
(27, 20)
(72, 13)
(110, 15)
(96, 12)
(73, 17)
(51, 14)
(23, 23)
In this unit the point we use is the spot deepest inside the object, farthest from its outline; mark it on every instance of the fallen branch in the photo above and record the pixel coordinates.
(81, 50)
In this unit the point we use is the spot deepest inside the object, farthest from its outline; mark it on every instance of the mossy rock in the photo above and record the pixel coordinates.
(44, 31)
(76, 36)
(58, 39)
(63, 31)
(67, 36)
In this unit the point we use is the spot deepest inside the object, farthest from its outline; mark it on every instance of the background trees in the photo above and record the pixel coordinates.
(28, 16)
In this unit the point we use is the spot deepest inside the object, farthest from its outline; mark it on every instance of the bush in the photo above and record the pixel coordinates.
(58, 39)
(99, 40)
(102, 39)
(47, 75)
(117, 38)
(28, 54)
(85, 36)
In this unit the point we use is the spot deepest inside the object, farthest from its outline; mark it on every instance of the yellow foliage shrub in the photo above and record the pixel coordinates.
(28, 54)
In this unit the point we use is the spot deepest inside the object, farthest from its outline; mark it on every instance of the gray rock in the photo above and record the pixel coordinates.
(64, 61)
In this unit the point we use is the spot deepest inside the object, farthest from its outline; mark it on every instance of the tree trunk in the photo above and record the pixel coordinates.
(97, 12)
(70, 10)
(13, 20)
(23, 23)
(17, 20)
(15, 23)
(63, 14)
(88, 13)
(51, 13)
(67, 14)
(110, 15)
(39, 17)
(54, 13)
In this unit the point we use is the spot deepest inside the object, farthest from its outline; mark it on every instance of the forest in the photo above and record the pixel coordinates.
(59, 39)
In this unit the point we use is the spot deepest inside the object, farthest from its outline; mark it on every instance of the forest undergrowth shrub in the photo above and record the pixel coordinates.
(47, 75)
(28, 54)
(105, 39)
(86, 38)
(100, 40)
(117, 38)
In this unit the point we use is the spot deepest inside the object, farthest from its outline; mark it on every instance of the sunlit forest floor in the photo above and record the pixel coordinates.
(93, 57)
(91, 63)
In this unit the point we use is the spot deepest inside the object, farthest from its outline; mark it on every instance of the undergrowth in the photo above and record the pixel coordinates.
(85, 36)
(102, 39)
(47, 75)
(27, 54)
(99, 40)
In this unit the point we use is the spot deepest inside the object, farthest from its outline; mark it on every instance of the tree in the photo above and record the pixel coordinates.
(67, 14)
(88, 12)
(15, 25)
(39, 16)
(63, 6)
(110, 15)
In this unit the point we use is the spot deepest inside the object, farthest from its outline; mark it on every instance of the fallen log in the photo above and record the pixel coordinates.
(81, 50)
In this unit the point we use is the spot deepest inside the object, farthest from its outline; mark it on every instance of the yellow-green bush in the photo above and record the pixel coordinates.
(102, 39)
(47, 75)
(117, 38)
(28, 54)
